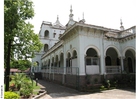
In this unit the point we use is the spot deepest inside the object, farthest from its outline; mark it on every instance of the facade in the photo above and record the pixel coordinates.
(84, 49)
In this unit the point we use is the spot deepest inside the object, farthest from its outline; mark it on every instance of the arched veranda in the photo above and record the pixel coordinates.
(92, 61)
(130, 61)
(112, 61)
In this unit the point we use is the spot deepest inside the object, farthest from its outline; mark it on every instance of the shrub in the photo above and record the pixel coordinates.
(26, 89)
(11, 95)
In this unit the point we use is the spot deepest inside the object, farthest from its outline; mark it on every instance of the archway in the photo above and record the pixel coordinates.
(112, 61)
(92, 61)
(130, 63)
(61, 60)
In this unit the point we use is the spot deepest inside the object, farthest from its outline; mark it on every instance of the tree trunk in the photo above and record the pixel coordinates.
(7, 74)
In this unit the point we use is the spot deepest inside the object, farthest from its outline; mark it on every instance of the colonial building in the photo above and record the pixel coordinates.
(76, 50)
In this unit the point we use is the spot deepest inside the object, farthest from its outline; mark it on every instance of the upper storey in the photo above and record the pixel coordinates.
(51, 31)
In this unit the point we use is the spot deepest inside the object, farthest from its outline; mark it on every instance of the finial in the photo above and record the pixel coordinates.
(121, 27)
(71, 9)
(71, 15)
(57, 17)
(121, 22)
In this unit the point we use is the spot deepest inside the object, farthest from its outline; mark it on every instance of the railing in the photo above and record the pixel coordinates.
(113, 69)
(62, 70)
(129, 31)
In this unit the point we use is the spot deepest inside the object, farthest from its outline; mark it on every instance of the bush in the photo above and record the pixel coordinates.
(11, 95)
(26, 89)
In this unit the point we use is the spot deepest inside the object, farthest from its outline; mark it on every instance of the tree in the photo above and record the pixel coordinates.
(21, 64)
(19, 37)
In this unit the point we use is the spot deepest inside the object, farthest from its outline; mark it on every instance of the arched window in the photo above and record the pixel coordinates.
(46, 33)
(46, 47)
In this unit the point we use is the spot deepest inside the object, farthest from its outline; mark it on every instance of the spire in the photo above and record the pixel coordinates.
(57, 23)
(71, 9)
(83, 18)
(121, 23)
(71, 15)
(57, 18)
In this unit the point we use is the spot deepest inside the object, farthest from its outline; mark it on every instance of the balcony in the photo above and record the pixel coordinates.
(113, 69)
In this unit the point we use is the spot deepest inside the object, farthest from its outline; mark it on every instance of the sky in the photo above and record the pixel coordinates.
(106, 13)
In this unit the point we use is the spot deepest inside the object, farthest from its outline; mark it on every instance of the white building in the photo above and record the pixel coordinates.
(78, 49)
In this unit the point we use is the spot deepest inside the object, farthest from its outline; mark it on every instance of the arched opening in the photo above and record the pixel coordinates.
(112, 61)
(74, 54)
(91, 57)
(130, 63)
(92, 61)
(46, 47)
(108, 61)
(52, 64)
(61, 60)
(56, 61)
(46, 33)
(68, 62)
(37, 66)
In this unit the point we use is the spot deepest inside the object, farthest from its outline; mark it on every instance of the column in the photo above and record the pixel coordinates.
(64, 67)
(122, 64)
(50, 69)
(102, 56)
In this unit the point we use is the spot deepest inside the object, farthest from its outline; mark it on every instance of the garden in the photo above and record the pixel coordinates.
(21, 87)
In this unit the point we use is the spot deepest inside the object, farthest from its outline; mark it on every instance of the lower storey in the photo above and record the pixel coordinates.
(77, 81)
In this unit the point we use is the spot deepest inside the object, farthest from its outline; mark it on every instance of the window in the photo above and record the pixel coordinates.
(46, 47)
(46, 33)
(54, 35)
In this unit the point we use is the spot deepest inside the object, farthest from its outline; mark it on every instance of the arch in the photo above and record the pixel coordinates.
(56, 58)
(91, 53)
(119, 55)
(68, 54)
(129, 48)
(61, 64)
(108, 61)
(46, 33)
(74, 54)
(61, 52)
(48, 62)
(37, 63)
(130, 65)
(46, 47)
(94, 47)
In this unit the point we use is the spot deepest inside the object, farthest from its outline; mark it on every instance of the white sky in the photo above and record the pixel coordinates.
(105, 13)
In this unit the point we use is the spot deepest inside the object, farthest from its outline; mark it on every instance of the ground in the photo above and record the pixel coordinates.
(56, 91)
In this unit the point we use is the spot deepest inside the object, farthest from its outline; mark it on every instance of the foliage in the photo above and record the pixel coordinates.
(10, 95)
(26, 89)
(21, 64)
(20, 41)
(19, 79)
